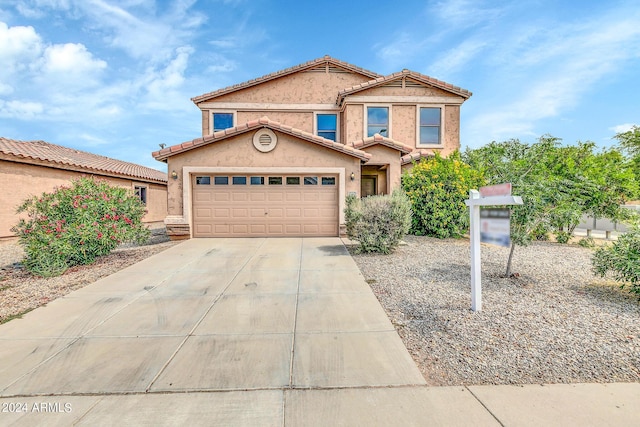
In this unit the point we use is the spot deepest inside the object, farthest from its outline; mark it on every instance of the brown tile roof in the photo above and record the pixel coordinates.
(306, 65)
(264, 122)
(397, 76)
(415, 156)
(56, 156)
(379, 139)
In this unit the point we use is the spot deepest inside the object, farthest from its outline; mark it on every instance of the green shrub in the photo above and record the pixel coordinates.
(378, 223)
(622, 259)
(75, 225)
(437, 188)
(587, 242)
(563, 236)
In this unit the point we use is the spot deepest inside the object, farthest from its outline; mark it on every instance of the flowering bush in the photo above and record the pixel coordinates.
(75, 225)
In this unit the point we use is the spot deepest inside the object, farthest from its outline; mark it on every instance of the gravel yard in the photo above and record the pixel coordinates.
(555, 323)
(21, 292)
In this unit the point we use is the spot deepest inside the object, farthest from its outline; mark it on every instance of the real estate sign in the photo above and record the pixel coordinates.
(495, 227)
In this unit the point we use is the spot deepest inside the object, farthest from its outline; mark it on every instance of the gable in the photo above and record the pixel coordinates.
(336, 69)
(404, 83)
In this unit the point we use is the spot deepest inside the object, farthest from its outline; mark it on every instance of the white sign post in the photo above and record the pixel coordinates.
(496, 195)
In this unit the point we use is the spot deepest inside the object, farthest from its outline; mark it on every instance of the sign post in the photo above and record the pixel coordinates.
(494, 195)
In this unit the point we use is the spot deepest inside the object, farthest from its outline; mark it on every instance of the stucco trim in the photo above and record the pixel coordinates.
(404, 99)
(189, 171)
(265, 106)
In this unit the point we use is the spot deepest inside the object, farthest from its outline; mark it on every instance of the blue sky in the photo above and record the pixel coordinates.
(116, 77)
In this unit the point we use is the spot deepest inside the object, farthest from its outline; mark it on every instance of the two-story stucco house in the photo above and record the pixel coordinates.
(279, 154)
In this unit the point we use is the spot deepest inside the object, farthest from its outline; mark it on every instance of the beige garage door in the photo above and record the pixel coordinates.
(265, 205)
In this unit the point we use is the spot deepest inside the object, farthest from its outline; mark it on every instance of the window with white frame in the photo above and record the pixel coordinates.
(327, 126)
(430, 126)
(377, 121)
(221, 120)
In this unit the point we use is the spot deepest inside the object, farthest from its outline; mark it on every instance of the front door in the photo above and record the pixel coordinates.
(368, 186)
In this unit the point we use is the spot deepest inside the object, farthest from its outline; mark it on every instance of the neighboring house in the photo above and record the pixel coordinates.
(32, 167)
(279, 154)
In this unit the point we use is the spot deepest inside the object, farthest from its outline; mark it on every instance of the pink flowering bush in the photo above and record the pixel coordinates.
(75, 225)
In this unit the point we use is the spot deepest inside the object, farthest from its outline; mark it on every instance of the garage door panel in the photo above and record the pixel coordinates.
(202, 197)
(265, 210)
(293, 213)
(275, 213)
(221, 197)
(328, 197)
(275, 196)
(258, 197)
(203, 213)
(240, 212)
(239, 196)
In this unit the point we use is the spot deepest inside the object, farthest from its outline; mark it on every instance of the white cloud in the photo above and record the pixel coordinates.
(550, 71)
(6, 89)
(162, 86)
(23, 110)
(456, 59)
(18, 47)
(622, 128)
(464, 13)
(71, 58)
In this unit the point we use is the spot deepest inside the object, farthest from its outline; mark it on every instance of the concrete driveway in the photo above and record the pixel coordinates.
(226, 332)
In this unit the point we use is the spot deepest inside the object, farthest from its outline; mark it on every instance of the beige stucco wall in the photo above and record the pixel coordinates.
(310, 87)
(353, 121)
(302, 120)
(239, 151)
(20, 180)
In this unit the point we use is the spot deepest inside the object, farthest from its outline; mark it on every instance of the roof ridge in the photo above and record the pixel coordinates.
(379, 139)
(282, 73)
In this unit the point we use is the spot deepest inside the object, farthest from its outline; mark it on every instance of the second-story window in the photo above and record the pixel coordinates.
(222, 121)
(378, 121)
(430, 124)
(327, 126)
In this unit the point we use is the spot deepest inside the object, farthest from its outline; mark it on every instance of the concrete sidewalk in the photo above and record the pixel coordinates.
(251, 332)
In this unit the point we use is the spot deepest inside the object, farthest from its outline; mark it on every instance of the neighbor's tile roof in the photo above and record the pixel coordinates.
(264, 122)
(56, 156)
(399, 75)
(306, 65)
(379, 139)
(415, 156)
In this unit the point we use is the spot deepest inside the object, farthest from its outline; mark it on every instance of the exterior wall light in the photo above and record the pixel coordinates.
(174, 175)
(353, 176)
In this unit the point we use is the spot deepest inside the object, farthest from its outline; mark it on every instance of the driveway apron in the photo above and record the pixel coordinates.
(233, 331)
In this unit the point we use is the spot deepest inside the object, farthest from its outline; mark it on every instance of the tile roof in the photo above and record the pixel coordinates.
(379, 139)
(415, 156)
(399, 75)
(56, 156)
(310, 64)
(264, 122)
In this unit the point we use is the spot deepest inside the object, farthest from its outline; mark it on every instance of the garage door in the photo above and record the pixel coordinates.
(265, 205)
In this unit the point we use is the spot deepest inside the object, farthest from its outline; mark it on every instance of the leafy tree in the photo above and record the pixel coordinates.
(630, 144)
(526, 168)
(75, 225)
(557, 184)
(437, 188)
